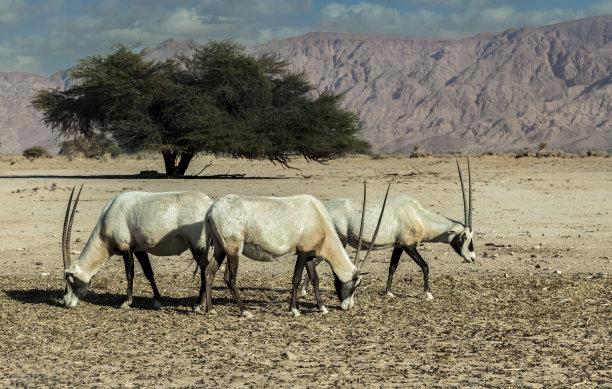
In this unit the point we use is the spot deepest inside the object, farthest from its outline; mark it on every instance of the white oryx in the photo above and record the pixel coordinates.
(405, 224)
(163, 224)
(269, 228)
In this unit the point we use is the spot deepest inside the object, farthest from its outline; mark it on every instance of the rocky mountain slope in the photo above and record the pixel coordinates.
(501, 91)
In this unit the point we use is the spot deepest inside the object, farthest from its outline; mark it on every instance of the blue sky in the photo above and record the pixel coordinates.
(45, 36)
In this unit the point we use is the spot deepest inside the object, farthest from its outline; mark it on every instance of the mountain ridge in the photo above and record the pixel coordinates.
(500, 92)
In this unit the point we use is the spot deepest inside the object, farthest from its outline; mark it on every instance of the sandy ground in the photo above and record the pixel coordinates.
(533, 311)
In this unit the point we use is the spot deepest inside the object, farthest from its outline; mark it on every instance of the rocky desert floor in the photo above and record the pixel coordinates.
(533, 311)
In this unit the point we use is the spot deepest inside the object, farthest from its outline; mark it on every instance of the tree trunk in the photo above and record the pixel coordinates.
(170, 163)
(183, 163)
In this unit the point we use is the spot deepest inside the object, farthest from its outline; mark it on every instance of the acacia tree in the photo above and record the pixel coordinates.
(220, 100)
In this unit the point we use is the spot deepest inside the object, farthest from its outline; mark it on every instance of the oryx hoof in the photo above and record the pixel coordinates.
(157, 304)
(295, 312)
(212, 312)
(323, 310)
(247, 314)
(126, 305)
(304, 292)
(428, 296)
(389, 294)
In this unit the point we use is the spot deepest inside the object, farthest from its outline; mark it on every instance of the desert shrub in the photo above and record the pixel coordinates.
(523, 153)
(36, 152)
(417, 153)
(593, 153)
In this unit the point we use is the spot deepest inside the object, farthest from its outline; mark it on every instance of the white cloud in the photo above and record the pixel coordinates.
(249, 8)
(12, 11)
(474, 17)
(28, 62)
(601, 8)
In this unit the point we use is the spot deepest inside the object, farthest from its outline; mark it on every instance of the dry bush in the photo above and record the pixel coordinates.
(36, 152)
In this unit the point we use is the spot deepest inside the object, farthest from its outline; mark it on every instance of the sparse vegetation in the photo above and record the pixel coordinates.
(35, 152)
(95, 146)
(417, 153)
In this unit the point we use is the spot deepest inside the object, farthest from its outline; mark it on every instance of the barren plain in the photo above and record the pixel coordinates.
(533, 311)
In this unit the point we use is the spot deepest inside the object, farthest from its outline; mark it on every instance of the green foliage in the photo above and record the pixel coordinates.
(220, 100)
(36, 152)
(95, 146)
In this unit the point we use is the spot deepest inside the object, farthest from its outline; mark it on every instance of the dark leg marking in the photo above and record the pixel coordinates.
(231, 270)
(311, 270)
(128, 261)
(145, 263)
(210, 271)
(414, 254)
(297, 276)
(395, 257)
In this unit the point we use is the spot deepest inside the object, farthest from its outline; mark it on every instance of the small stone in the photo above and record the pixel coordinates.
(39, 263)
(558, 271)
(289, 355)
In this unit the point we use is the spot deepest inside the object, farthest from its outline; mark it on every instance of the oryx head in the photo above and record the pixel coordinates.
(345, 290)
(462, 241)
(75, 287)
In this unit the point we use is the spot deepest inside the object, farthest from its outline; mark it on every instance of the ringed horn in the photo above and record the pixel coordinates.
(68, 228)
(467, 208)
(361, 226)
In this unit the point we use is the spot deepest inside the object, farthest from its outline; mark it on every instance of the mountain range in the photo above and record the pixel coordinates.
(498, 92)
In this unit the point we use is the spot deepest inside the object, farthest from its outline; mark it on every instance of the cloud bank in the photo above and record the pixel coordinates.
(45, 36)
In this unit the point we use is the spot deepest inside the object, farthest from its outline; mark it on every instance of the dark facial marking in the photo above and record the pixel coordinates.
(79, 288)
(457, 242)
(345, 290)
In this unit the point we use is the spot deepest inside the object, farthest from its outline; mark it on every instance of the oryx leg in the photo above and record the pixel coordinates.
(145, 263)
(231, 270)
(311, 270)
(207, 279)
(414, 254)
(304, 288)
(202, 261)
(128, 261)
(395, 257)
(297, 277)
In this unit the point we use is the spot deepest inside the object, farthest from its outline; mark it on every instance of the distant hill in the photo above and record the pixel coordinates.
(501, 91)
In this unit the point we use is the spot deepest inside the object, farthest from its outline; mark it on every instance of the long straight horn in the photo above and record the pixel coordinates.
(69, 228)
(382, 211)
(65, 253)
(470, 194)
(363, 207)
(465, 209)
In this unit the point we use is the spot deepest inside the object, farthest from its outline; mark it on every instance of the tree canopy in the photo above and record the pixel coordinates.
(219, 100)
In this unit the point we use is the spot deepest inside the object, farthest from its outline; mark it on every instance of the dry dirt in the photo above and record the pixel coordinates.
(533, 311)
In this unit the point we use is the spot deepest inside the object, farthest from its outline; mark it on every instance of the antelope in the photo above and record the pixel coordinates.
(405, 224)
(135, 223)
(268, 229)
